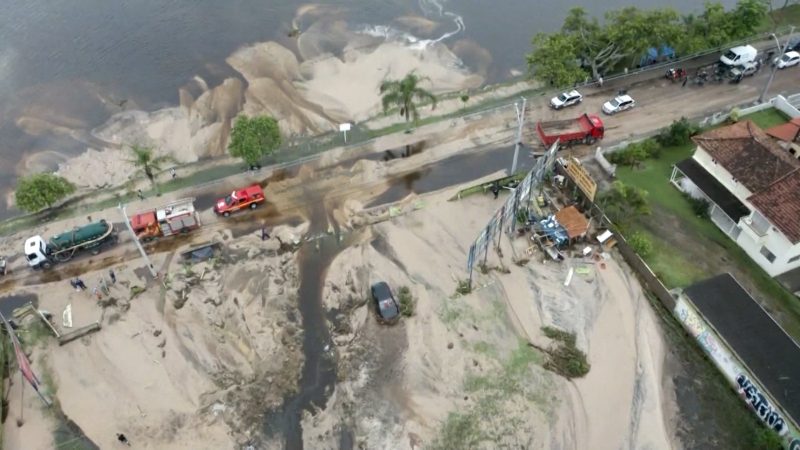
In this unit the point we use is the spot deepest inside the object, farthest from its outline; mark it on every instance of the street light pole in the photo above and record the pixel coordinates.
(520, 122)
(138, 244)
(774, 66)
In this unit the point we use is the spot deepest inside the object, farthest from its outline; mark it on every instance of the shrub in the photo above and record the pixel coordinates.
(565, 359)
(734, 115)
(463, 287)
(407, 301)
(700, 206)
(640, 244)
(679, 132)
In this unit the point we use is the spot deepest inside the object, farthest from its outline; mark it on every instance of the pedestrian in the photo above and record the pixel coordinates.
(104, 286)
(685, 79)
(600, 80)
(96, 293)
(140, 194)
(121, 437)
(495, 189)
(173, 173)
(264, 233)
(113, 276)
(81, 285)
(74, 284)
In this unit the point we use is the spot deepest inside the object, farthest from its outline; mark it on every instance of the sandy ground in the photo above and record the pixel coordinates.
(413, 384)
(186, 366)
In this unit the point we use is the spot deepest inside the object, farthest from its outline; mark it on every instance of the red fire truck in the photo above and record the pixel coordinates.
(177, 217)
(249, 197)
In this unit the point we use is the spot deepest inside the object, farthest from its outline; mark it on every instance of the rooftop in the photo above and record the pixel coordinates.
(787, 132)
(762, 345)
(780, 204)
(573, 221)
(753, 158)
(713, 189)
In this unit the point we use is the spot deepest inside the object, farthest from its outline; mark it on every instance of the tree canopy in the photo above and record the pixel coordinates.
(405, 94)
(253, 138)
(586, 48)
(145, 159)
(40, 191)
(623, 204)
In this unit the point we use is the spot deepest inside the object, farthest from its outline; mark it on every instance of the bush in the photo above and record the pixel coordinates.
(463, 287)
(40, 191)
(640, 244)
(679, 133)
(700, 206)
(635, 153)
(407, 301)
(565, 359)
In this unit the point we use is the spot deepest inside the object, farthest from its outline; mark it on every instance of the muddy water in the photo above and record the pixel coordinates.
(454, 170)
(9, 303)
(318, 377)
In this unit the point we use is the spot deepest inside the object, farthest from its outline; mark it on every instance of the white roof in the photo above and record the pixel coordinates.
(32, 243)
(573, 93)
(792, 54)
(623, 98)
(175, 209)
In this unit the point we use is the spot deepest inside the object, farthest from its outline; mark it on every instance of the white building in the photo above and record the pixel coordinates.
(753, 187)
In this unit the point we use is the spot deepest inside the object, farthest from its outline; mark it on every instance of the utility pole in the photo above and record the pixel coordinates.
(520, 122)
(775, 66)
(138, 244)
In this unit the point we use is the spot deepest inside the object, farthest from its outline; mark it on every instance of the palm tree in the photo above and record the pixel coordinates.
(144, 159)
(405, 94)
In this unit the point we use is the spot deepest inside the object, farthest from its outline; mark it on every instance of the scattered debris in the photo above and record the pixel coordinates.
(66, 316)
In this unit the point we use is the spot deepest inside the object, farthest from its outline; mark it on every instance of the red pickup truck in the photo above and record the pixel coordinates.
(586, 129)
(249, 197)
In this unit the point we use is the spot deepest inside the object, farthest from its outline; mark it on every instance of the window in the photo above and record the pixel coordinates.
(767, 254)
(793, 259)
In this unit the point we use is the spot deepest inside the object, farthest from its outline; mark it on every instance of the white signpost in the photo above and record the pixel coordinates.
(344, 128)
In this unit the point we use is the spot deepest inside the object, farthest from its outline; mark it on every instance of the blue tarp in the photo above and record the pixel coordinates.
(553, 230)
(654, 54)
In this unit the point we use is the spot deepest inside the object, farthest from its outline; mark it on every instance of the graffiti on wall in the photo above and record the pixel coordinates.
(761, 405)
(697, 328)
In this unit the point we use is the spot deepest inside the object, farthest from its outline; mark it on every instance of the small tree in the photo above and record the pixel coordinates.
(623, 204)
(144, 158)
(40, 191)
(640, 244)
(464, 99)
(679, 132)
(253, 138)
(405, 94)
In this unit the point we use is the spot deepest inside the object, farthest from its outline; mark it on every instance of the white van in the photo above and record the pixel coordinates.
(740, 55)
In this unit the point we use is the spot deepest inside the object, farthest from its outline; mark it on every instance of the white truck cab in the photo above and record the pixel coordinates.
(738, 56)
(36, 252)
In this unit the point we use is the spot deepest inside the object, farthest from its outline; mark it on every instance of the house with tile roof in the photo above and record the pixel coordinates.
(752, 185)
(788, 135)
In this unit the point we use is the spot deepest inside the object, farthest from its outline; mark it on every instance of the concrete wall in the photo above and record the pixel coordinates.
(775, 242)
(757, 398)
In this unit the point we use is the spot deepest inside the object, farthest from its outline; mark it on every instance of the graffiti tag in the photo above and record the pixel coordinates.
(761, 406)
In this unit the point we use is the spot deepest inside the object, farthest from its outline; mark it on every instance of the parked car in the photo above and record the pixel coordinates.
(739, 55)
(788, 59)
(745, 70)
(794, 45)
(618, 104)
(249, 197)
(387, 307)
(565, 99)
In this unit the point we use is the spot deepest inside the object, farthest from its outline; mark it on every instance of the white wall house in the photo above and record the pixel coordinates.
(753, 187)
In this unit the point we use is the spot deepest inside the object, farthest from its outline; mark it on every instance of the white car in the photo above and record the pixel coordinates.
(566, 99)
(618, 104)
(788, 59)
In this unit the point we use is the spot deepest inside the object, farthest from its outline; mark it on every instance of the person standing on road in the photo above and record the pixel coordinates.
(74, 284)
(495, 189)
(600, 81)
(173, 173)
(140, 194)
(121, 437)
(113, 276)
(81, 285)
(685, 79)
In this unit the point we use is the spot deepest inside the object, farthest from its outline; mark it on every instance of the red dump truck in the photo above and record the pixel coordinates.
(586, 129)
(177, 217)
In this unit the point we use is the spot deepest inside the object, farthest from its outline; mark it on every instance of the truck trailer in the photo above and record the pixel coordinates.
(62, 247)
(586, 129)
(177, 217)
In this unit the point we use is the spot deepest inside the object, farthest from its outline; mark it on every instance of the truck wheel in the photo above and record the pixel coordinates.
(46, 265)
(589, 140)
(226, 214)
(253, 205)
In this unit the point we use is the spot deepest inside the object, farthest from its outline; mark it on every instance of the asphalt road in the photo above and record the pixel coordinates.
(659, 102)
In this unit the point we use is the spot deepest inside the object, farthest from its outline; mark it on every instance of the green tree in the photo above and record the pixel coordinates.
(640, 244)
(554, 60)
(623, 204)
(748, 15)
(40, 191)
(144, 158)
(253, 138)
(406, 94)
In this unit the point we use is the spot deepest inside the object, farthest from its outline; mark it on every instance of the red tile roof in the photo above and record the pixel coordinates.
(780, 204)
(788, 132)
(753, 158)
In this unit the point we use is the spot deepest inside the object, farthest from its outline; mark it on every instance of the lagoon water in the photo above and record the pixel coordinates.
(72, 64)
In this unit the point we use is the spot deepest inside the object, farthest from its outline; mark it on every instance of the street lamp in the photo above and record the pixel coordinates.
(774, 66)
(138, 244)
(520, 122)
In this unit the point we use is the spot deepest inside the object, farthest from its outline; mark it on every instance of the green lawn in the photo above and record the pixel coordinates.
(688, 248)
(767, 118)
